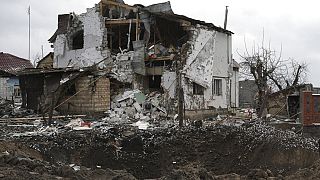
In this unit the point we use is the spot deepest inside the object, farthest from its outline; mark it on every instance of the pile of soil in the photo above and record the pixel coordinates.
(254, 150)
(21, 167)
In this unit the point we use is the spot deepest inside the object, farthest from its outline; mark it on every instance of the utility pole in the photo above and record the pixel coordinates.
(29, 14)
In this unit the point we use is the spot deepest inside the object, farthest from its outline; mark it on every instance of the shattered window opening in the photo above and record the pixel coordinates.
(155, 83)
(118, 37)
(169, 32)
(197, 89)
(217, 87)
(77, 40)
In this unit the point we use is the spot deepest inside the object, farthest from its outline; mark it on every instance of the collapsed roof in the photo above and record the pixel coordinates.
(162, 10)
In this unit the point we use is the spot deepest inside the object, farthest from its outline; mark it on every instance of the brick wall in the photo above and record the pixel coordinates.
(93, 98)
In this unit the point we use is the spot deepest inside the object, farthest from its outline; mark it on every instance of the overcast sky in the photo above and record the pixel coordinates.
(293, 24)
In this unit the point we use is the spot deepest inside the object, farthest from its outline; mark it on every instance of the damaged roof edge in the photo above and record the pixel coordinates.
(192, 21)
(163, 10)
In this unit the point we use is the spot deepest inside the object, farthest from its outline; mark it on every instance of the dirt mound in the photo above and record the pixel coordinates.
(176, 153)
(169, 153)
(312, 172)
(20, 167)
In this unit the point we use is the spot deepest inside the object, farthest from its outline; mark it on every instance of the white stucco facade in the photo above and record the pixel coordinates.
(93, 50)
(209, 59)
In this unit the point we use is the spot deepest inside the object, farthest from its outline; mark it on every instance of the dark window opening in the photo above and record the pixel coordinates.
(155, 83)
(168, 33)
(198, 89)
(71, 90)
(293, 106)
(316, 104)
(118, 37)
(77, 40)
(217, 87)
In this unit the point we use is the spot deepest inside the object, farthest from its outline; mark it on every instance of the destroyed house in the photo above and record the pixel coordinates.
(152, 49)
(67, 90)
(9, 81)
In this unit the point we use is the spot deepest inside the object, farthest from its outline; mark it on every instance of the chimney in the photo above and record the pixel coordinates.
(226, 18)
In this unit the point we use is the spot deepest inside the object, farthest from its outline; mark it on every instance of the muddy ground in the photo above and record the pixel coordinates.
(250, 151)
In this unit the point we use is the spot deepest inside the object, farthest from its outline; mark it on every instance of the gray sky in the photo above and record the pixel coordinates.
(293, 24)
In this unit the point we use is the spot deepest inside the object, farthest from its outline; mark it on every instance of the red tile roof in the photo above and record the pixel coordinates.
(12, 64)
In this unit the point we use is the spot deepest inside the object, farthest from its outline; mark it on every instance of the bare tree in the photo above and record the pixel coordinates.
(270, 72)
(36, 58)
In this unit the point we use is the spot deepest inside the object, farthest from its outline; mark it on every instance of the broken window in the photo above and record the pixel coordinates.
(118, 36)
(197, 89)
(217, 87)
(155, 83)
(77, 40)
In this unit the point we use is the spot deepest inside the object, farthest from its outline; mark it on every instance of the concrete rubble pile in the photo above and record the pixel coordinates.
(136, 106)
(260, 131)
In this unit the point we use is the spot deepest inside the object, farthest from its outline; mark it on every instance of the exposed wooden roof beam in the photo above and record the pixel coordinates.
(121, 21)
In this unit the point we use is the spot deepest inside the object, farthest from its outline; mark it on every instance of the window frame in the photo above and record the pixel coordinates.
(197, 89)
(217, 87)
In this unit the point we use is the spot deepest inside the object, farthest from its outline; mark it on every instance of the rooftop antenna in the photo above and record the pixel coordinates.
(226, 18)
(29, 14)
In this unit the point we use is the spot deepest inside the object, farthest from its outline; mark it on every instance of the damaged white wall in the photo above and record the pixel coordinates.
(208, 60)
(168, 83)
(93, 50)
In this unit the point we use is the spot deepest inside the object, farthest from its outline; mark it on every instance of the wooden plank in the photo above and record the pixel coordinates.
(121, 21)
(137, 27)
(163, 58)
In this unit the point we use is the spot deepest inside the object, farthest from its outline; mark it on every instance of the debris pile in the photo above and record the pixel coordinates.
(161, 152)
(261, 132)
(18, 167)
(136, 106)
(8, 109)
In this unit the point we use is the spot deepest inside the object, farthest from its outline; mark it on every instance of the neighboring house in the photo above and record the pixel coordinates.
(287, 102)
(46, 62)
(247, 93)
(152, 49)
(9, 82)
